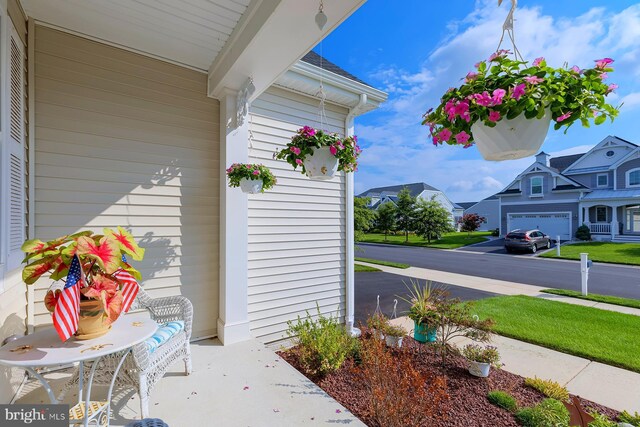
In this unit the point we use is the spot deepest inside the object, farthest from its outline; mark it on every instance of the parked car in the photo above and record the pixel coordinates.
(530, 240)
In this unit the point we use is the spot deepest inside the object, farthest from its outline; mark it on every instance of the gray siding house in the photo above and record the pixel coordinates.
(488, 208)
(600, 188)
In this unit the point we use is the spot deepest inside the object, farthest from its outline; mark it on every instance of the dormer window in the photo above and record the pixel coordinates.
(536, 186)
(603, 180)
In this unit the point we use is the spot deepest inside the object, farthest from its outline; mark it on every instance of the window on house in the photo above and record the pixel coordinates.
(601, 214)
(603, 180)
(633, 178)
(536, 186)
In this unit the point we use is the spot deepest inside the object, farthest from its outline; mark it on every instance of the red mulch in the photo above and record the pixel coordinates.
(467, 405)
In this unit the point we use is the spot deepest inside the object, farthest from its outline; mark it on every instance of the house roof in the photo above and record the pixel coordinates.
(613, 194)
(466, 205)
(512, 191)
(319, 61)
(563, 162)
(415, 189)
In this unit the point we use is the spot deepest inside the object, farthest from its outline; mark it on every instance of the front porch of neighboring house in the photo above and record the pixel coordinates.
(615, 218)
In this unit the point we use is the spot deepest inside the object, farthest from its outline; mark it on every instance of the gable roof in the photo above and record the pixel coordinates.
(466, 205)
(563, 162)
(415, 189)
(314, 59)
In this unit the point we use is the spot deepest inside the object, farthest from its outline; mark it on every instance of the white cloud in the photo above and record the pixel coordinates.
(630, 101)
(397, 147)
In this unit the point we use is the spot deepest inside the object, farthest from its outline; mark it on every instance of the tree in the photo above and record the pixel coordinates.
(363, 217)
(432, 220)
(386, 220)
(405, 212)
(471, 222)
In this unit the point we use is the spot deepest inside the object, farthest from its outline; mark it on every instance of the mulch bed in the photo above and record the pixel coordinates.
(467, 405)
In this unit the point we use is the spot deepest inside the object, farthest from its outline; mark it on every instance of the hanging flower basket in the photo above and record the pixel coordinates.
(251, 179)
(321, 154)
(505, 107)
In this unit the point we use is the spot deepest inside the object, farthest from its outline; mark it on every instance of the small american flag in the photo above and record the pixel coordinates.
(129, 286)
(66, 311)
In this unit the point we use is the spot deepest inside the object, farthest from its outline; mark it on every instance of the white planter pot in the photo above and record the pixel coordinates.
(479, 369)
(321, 164)
(251, 186)
(511, 139)
(393, 341)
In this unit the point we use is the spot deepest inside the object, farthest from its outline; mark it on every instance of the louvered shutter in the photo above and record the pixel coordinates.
(16, 151)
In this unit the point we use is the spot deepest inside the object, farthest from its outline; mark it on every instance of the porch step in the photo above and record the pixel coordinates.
(627, 239)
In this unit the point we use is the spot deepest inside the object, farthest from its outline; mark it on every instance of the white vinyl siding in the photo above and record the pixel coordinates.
(297, 229)
(122, 139)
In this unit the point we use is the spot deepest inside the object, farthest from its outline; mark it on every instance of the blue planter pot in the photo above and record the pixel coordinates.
(422, 333)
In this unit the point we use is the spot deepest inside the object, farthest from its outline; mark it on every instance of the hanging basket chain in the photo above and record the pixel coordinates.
(507, 28)
(322, 114)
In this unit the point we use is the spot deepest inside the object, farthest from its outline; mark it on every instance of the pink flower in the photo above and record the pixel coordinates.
(534, 80)
(482, 98)
(333, 150)
(494, 116)
(462, 137)
(444, 135)
(450, 109)
(461, 107)
(611, 88)
(498, 94)
(603, 63)
(519, 91)
(477, 64)
(604, 76)
(471, 76)
(563, 117)
(538, 61)
(295, 150)
(298, 161)
(256, 172)
(435, 139)
(499, 54)
(576, 69)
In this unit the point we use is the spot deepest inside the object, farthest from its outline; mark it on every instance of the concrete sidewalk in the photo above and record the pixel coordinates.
(501, 287)
(610, 386)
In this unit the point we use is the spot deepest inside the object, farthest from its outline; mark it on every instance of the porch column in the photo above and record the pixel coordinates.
(614, 222)
(233, 321)
(580, 215)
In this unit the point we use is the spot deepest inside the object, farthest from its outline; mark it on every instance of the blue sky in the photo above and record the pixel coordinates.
(416, 49)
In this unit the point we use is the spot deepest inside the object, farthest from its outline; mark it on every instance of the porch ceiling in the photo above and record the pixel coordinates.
(189, 32)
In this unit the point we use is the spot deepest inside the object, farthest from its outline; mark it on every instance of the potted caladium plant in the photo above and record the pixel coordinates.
(321, 154)
(506, 105)
(251, 178)
(105, 273)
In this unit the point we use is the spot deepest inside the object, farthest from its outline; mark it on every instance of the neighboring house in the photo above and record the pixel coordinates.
(488, 208)
(381, 195)
(127, 113)
(600, 188)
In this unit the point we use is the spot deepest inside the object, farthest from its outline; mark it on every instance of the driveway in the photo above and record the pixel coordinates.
(604, 279)
(390, 286)
(495, 246)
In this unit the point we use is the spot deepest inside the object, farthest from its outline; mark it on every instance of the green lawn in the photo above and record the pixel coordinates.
(604, 336)
(616, 253)
(386, 263)
(448, 241)
(626, 302)
(359, 268)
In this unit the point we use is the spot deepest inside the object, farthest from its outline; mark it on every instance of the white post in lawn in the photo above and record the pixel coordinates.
(233, 320)
(584, 270)
(558, 246)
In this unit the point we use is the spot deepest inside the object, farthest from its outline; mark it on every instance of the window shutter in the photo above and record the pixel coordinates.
(16, 152)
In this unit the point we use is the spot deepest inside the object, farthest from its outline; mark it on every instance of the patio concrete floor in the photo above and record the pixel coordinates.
(244, 384)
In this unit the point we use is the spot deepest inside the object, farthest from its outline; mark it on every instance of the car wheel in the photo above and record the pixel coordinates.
(508, 249)
(534, 248)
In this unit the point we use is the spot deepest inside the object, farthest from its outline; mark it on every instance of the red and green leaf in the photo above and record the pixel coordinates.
(112, 305)
(106, 253)
(33, 246)
(32, 272)
(126, 241)
(51, 299)
(100, 284)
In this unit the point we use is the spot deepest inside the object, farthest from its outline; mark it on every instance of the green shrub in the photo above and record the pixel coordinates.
(548, 413)
(495, 232)
(324, 344)
(626, 417)
(549, 388)
(503, 400)
(601, 421)
(583, 232)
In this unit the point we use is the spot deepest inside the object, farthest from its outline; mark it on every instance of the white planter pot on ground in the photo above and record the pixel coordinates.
(511, 139)
(479, 369)
(393, 341)
(321, 164)
(251, 186)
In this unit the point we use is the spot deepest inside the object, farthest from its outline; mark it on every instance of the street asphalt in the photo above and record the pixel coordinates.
(604, 279)
(391, 286)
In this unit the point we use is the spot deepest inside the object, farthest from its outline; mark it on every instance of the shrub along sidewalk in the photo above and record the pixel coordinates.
(615, 253)
(448, 240)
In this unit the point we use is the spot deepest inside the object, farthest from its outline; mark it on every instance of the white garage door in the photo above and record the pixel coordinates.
(555, 224)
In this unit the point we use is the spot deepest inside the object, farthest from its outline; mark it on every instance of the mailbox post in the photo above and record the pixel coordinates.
(585, 265)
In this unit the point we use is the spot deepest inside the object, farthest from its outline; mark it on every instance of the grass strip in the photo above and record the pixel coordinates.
(359, 268)
(625, 302)
(385, 263)
(448, 241)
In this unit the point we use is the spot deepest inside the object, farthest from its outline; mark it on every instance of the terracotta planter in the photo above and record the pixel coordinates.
(321, 165)
(91, 323)
(479, 369)
(251, 186)
(511, 139)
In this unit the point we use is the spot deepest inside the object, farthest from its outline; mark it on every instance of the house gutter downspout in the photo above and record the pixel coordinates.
(350, 242)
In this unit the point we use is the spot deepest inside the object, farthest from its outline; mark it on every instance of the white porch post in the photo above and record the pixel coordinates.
(233, 321)
(614, 222)
(350, 242)
(580, 215)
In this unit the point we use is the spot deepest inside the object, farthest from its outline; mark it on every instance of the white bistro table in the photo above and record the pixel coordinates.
(44, 349)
